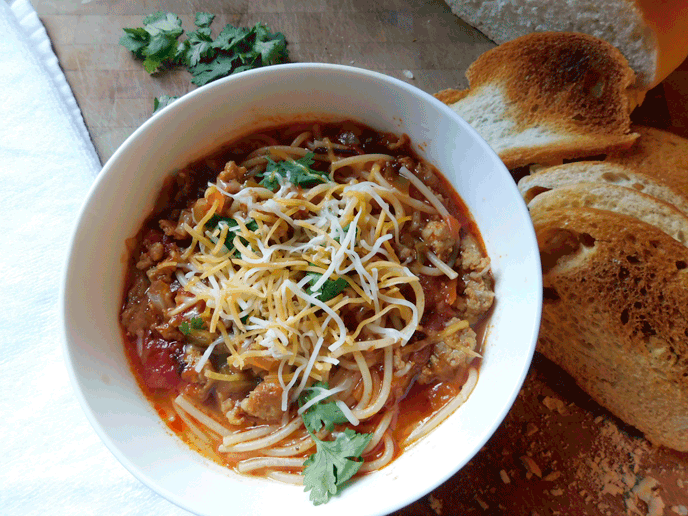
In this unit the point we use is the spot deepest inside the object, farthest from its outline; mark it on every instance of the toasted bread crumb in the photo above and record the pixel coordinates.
(435, 504)
(531, 466)
(555, 405)
(551, 477)
(482, 504)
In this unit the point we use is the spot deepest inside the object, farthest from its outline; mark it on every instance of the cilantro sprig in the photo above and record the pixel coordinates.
(156, 41)
(235, 50)
(297, 172)
(216, 221)
(334, 462)
(195, 324)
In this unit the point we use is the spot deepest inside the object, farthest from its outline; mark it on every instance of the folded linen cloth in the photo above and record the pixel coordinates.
(53, 461)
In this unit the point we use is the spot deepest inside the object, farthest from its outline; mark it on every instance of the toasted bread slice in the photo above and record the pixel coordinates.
(662, 154)
(549, 96)
(602, 196)
(615, 315)
(602, 172)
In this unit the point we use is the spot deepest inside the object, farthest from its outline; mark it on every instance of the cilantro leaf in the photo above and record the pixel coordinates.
(198, 47)
(162, 101)
(321, 414)
(221, 66)
(163, 22)
(230, 37)
(215, 221)
(135, 40)
(298, 172)
(333, 463)
(271, 178)
(345, 229)
(196, 323)
(331, 288)
(272, 47)
(204, 19)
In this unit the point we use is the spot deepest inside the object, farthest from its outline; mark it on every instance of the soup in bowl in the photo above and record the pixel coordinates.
(307, 276)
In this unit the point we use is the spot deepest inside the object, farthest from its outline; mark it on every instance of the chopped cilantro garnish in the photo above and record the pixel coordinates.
(216, 220)
(236, 48)
(321, 414)
(331, 288)
(187, 327)
(334, 462)
(345, 229)
(298, 172)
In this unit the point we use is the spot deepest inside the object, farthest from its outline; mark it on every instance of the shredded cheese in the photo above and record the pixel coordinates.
(261, 297)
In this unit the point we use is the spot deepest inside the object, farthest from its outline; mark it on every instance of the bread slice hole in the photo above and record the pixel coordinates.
(647, 330)
(614, 177)
(550, 294)
(680, 265)
(533, 192)
(624, 316)
(563, 245)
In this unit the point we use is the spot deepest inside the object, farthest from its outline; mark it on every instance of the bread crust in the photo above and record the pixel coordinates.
(450, 96)
(615, 315)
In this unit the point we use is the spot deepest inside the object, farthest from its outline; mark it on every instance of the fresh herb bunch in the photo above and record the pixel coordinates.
(334, 462)
(234, 50)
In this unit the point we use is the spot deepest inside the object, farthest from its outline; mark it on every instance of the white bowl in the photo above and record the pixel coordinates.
(190, 128)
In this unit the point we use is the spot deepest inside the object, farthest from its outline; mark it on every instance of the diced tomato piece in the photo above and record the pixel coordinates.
(161, 364)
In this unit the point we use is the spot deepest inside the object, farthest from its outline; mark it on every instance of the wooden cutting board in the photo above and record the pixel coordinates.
(557, 453)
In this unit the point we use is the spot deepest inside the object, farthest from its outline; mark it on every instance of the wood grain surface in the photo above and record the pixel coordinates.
(557, 452)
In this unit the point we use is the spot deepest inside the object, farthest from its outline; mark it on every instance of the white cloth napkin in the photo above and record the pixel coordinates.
(52, 462)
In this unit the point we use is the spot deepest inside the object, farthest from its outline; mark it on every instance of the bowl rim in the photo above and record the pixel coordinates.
(168, 112)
